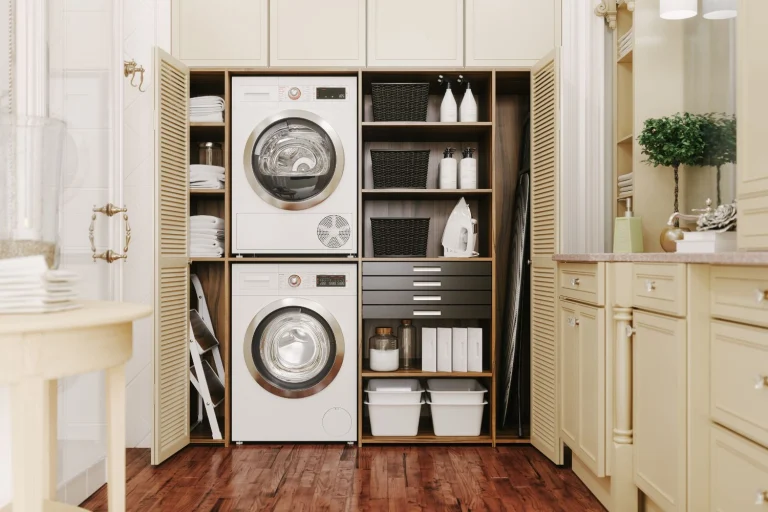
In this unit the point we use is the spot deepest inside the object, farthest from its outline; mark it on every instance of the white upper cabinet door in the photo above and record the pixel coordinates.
(426, 33)
(510, 32)
(224, 33)
(311, 33)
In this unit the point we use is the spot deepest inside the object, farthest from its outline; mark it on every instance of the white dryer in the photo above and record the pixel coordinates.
(294, 352)
(294, 165)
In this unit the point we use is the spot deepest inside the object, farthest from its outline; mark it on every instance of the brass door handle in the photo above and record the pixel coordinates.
(109, 255)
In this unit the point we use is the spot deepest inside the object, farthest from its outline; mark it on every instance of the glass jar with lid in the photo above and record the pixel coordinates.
(384, 353)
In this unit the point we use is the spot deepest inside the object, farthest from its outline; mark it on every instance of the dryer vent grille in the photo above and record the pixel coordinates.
(333, 231)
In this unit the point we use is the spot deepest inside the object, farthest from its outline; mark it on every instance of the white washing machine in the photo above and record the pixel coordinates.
(294, 165)
(294, 352)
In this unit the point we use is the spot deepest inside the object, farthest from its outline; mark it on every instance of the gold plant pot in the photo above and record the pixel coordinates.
(669, 237)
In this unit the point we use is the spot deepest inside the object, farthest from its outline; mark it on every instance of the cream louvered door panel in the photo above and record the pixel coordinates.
(170, 431)
(545, 429)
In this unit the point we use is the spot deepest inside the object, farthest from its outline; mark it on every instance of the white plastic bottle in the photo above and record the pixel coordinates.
(448, 110)
(468, 170)
(468, 109)
(447, 175)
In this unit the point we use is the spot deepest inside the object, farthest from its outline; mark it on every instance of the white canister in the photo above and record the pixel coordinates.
(468, 170)
(448, 111)
(468, 109)
(447, 177)
(384, 360)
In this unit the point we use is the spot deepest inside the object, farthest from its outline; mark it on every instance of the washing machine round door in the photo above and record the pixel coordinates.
(294, 160)
(294, 348)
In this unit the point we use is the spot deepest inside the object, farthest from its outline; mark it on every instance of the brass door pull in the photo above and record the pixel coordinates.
(109, 255)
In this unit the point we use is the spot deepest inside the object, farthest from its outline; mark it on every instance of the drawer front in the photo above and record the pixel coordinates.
(659, 287)
(739, 293)
(426, 283)
(418, 297)
(426, 268)
(739, 379)
(427, 312)
(738, 472)
(584, 282)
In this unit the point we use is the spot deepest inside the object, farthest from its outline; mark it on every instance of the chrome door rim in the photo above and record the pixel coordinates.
(257, 187)
(271, 308)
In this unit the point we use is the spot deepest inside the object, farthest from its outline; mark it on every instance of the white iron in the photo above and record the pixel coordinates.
(460, 235)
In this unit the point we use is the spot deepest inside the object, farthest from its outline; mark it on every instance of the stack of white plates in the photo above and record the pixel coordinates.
(27, 286)
(206, 109)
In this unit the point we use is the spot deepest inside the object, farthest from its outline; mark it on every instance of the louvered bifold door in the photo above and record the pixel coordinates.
(544, 244)
(170, 431)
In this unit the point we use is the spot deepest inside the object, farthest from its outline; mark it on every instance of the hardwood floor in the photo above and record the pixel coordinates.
(344, 478)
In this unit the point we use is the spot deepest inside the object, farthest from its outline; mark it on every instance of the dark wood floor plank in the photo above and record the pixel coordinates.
(341, 478)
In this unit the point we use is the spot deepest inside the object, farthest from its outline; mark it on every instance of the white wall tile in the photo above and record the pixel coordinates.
(96, 476)
(139, 407)
(89, 5)
(84, 396)
(6, 478)
(88, 40)
(77, 489)
(142, 348)
(86, 100)
(86, 158)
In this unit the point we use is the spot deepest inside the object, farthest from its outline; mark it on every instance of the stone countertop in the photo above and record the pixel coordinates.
(719, 258)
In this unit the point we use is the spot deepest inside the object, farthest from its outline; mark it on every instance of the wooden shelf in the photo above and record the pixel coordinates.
(206, 191)
(415, 193)
(420, 374)
(201, 434)
(424, 131)
(512, 436)
(625, 139)
(203, 260)
(428, 259)
(293, 259)
(193, 124)
(426, 438)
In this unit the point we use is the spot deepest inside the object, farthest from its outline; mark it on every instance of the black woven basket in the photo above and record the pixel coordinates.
(393, 168)
(400, 102)
(400, 237)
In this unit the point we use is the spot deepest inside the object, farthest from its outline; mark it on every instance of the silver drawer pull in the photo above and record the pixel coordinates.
(575, 281)
(762, 497)
(427, 297)
(761, 382)
(427, 284)
(427, 269)
(650, 285)
(427, 313)
(761, 296)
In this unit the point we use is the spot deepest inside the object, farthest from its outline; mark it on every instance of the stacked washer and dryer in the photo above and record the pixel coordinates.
(294, 192)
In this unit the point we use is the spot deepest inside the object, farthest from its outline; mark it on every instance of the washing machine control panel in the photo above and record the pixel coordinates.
(308, 281)
(331, 281)
(304, 93)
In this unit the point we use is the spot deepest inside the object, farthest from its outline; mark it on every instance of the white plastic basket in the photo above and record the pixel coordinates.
(394, 391)
(455, 391)
(394, 419)
(457, 419)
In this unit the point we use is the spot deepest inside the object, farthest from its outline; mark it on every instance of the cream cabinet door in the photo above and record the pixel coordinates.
(569, 382)
(312, 33)
(659, 409)
(510, 32)
(416, 33)
(224, 33)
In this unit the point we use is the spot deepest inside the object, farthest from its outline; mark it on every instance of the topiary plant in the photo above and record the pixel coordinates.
(673, 141)
(719, 133)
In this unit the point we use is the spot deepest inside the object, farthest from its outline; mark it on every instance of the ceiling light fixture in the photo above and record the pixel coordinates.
(678, 9)
(719, 9)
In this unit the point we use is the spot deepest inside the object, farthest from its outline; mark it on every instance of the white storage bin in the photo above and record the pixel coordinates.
(394, 391)
(457, 419)
(455, 391)
(394, 419)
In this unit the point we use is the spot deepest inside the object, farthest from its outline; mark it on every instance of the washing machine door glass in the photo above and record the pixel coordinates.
(294, 160)
(293, 349)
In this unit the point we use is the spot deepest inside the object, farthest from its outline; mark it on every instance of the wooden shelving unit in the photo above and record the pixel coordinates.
(623, 107)
(418, 374)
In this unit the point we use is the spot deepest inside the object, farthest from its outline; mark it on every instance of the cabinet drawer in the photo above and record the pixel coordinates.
(584, 282)
(418, 297)
(425, 268)
(659, 287)
(739, 369)
(738, 293)
(427, 312)
(738, 472)
(426, 283)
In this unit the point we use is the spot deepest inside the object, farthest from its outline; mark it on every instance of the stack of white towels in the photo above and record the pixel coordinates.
(27, 286)
(206, 236)
(206, 109)
(626, 185)
(626, 43)
(206, 176)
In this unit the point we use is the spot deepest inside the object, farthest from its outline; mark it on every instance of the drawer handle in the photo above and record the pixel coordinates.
(650, 285)
(427, 269)
(427, 297)
(761, 382)
(427, 313)
(575, 281)
(427, 283)
(762, 497)
(761, 295)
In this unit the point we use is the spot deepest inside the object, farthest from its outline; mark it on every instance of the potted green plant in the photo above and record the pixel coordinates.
(673, 141)
(719, 133)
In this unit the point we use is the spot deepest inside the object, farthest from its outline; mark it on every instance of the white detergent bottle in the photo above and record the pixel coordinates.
(468, 170)
(447, 174)
(468, 109)
(448, 110)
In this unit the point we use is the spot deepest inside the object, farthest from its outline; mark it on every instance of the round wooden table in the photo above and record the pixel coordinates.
(35, 351)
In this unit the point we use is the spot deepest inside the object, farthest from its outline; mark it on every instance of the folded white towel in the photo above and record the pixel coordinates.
(626, 177)
(201, 252)
(217, 117)
(206, 222)
(207, 185)
(201, 243)
(205, 169)
(206, 99)
(207, 231)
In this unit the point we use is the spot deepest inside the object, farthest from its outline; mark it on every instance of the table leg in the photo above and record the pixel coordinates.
(116, 438)
(33, 452)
